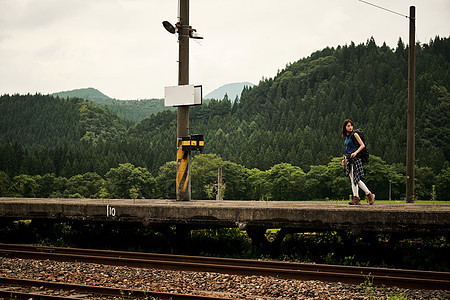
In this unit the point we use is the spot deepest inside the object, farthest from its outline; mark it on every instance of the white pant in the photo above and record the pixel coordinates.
(355, 188)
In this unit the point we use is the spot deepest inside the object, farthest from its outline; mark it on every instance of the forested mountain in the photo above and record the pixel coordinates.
(293, 118)
(90, 94)
(37, 121)
(137, 110)
(130, 110)
(296, 116)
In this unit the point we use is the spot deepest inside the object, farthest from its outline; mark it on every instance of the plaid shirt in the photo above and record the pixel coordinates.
(358, 171)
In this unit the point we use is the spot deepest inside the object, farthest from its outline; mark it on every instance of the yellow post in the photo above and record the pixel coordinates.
(183, 173)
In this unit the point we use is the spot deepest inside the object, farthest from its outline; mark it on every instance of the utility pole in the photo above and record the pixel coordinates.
(411, 113)
(410, 144)
(219, 195)
(183, 96)
(183, 183)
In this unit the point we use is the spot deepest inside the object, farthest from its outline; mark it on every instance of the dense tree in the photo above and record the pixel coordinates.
(235, 181)
(88, 185)
(126, 180)
(282, 182)
(286, 182)
(443, 184)
(13, 159)
(204, 174)
(4, 184)
(24, 185)
(292, 119)
(50, 186)
(41, 120)
(166, 181)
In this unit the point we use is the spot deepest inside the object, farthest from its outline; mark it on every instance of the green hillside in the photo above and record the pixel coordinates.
(36, 121)
(296, 116)
(90, 94)
(137, 110)
(130, 110)
(293, 119)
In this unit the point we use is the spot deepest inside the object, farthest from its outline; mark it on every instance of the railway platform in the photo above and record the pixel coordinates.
(254, 217)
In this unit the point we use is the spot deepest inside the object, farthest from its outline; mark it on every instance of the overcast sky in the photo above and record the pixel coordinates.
(120, 47)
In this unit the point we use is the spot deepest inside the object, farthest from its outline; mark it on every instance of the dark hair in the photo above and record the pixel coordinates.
(344, 125)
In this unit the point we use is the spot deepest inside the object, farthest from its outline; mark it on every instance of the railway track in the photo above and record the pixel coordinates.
(412, 279)
(82, 290)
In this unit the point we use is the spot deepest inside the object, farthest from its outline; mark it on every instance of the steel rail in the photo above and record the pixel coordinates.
(302, 271)
(32, 296)
(90, 289)
(6, 294)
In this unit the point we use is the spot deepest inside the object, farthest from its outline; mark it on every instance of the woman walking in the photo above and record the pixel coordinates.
(354, 164)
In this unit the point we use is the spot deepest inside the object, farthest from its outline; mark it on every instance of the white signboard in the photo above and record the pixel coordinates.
(183, 95)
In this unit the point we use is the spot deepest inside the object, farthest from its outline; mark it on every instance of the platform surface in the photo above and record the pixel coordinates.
(432, 218)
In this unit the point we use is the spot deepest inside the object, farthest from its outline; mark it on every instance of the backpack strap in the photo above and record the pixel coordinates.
(355, 141)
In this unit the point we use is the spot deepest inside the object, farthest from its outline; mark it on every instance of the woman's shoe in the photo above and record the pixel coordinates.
(355, 201)
(371, 198)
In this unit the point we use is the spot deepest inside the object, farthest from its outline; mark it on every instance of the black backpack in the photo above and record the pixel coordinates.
(364, 153)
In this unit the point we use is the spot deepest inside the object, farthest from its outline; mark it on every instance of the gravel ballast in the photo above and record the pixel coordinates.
(201, 283)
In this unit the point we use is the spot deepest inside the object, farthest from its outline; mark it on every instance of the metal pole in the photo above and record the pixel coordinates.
(410, 146)
(219, 184)
(390, 189)
(183, 164)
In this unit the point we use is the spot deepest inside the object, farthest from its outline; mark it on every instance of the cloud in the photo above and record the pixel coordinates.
(121, 48)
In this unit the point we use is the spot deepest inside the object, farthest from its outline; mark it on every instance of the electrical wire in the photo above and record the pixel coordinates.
(391, 11)
(394, 12)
